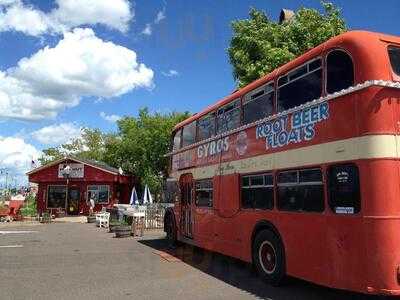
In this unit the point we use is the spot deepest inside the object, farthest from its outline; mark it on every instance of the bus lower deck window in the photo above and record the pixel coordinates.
(258, 191)
(344, 189)
(204, 193)
(301, 190)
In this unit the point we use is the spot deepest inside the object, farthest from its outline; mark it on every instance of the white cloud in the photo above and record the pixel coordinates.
(17, 16)
(57, 134)
(148, 30)
(171, 73)
(110, 118)
(16, 156)
(80, 65)
(160, 16)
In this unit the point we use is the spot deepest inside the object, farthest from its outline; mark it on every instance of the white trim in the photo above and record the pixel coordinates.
(365, 147)
(350, 90)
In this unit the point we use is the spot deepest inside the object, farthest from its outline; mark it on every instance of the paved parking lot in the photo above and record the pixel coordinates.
(80, 261)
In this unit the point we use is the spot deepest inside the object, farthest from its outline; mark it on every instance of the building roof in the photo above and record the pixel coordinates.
(93, 163)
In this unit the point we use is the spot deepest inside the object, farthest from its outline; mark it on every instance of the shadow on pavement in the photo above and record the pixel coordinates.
(242, 276)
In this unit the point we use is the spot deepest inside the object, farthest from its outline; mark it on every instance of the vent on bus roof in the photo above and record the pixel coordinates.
(285, 15)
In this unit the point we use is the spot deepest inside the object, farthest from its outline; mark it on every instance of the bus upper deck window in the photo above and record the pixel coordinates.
(340, 71)
(394, 56)
(206, 127)
(189, 134)
(258, 103)
(300, 85)
(228, 116)
(177, 140)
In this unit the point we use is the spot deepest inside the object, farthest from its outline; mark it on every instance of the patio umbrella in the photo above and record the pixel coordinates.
(145, 197)
(134, 198)
(149, 198)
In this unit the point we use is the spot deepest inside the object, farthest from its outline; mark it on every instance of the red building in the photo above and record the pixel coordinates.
(66, 185)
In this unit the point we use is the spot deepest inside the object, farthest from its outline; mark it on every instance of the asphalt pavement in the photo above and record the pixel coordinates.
(80, 261)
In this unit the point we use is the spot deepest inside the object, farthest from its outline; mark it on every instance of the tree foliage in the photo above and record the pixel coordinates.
(90, 145)
(141, 144)
(260, 45)
(138, 147)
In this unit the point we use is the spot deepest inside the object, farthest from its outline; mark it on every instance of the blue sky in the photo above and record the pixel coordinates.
(181, 43)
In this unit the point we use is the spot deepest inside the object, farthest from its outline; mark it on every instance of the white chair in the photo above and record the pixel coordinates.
(104, 220)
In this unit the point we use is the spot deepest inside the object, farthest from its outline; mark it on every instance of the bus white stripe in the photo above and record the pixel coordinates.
(365, 147)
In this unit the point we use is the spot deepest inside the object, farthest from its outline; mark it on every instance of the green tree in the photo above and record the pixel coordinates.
(90, 145)
(260, 45)
(140, 145)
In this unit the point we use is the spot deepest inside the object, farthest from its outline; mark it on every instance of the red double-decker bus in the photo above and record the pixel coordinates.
(298, 172)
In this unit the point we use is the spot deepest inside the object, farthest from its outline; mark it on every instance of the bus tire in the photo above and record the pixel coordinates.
(269, 257)
(170, 230)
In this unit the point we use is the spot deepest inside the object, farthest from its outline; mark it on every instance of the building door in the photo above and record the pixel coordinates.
(186, 193)
(74, 196)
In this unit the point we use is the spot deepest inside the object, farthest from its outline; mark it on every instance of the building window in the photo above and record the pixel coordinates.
(189, 134)
(204, 193)
(177, 140)
(344, 189)
(300, 85)
(258, 104)
(56, 196)
(301, 190)
(100, 193)
(228, 117)
(206, 127)
(394, 57)
(340, 71)
(258, 191)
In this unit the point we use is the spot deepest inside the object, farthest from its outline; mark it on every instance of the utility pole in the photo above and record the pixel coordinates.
(4, 171)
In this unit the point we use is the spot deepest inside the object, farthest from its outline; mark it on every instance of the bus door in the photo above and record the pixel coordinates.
(186, 198)
(227, 230)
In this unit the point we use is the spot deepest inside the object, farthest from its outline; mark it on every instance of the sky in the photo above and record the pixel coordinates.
(69, 64)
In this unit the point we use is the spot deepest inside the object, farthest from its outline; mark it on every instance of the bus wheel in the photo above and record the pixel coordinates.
(269, 257)
(171, 231)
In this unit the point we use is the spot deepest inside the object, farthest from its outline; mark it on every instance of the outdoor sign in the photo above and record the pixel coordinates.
(77, 170)
(295, 129)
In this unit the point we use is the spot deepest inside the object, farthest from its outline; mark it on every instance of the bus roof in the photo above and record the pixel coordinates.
(357, 38)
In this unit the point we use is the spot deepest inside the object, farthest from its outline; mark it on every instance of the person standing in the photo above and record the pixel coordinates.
(91, 204)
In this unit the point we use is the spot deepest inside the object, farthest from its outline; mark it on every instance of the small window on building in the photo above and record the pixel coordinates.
(258, 191)
(204, 193)
(99, 193)
(340, 71)
(258, 104)
(56, 196)
(189, 134)
(228, 116)
(344, 189)
(301, 190)
(300, 85)
(206, 127)
(394, 56)
(177, 140)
